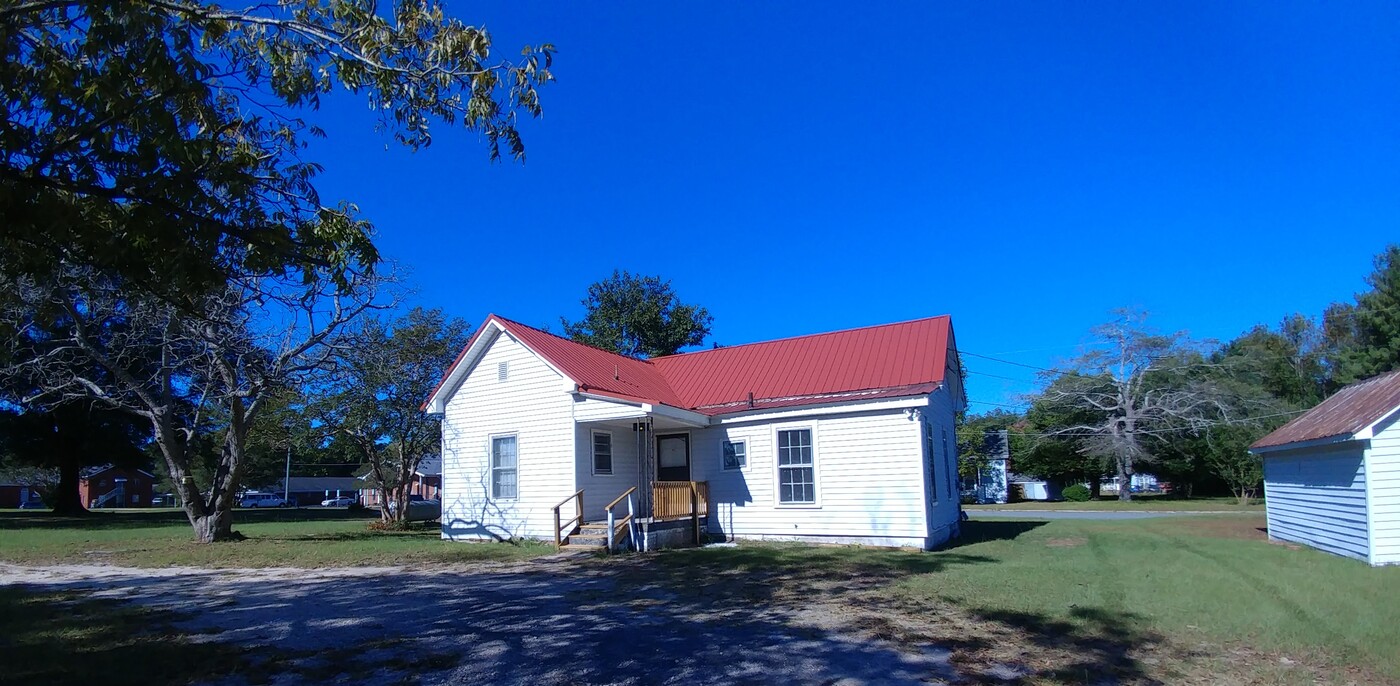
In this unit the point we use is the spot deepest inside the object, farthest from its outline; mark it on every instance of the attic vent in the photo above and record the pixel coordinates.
(503, 371)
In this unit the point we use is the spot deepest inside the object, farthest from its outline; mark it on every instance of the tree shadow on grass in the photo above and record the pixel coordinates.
(141, 519)
(60, 638)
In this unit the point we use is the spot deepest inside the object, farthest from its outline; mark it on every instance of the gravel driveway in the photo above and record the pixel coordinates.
(544, 622)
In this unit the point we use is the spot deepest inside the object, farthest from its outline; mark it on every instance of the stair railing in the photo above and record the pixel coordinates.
(614, 524)
(559, 534)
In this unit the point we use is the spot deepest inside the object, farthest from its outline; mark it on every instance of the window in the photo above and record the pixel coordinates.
(736, 455)
(503, 466)
(502, 371)
(930, 464)
(602, 452)
(797, 482)
(948, 459)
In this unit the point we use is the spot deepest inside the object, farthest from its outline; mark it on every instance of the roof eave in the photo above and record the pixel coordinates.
(1311, 443)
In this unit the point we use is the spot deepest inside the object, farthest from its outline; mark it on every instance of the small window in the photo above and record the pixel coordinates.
(503, 468)
(602, 452)
(797, 483)
(930, 463)
(502, 371)
(736, 455)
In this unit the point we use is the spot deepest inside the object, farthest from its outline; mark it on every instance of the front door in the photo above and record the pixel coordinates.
(673, 457)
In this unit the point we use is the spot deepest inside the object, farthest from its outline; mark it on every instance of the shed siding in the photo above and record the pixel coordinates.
(533, 405)
(944, 506)
(868, 472)
(1384, 462)
(1317, 497)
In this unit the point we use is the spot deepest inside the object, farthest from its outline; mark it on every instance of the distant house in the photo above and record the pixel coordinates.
(426, 481)
(843, 437)
(311, 490)
(109, 486)
(1332, 476)
(990, 484)
(14, 495)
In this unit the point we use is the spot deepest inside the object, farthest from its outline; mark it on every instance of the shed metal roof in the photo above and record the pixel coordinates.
(1343, 415)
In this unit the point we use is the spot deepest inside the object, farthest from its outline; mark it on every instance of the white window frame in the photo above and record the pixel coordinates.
(593, 452)
(491, 464)
(949, 462)
(816, 470)
(737, 441)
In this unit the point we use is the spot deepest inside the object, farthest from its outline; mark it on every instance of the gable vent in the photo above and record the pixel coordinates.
(503, 371)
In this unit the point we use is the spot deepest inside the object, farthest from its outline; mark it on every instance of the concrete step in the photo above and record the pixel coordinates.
(585, 539)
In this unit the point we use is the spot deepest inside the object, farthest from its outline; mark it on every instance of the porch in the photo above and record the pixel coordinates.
(633, 477)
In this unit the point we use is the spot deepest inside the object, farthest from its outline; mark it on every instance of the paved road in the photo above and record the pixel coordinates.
(1071, 514)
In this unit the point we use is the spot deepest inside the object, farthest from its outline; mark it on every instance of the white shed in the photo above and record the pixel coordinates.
(1332, 476)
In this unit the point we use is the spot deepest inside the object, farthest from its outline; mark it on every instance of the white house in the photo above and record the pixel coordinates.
(1332, 476)
(843, 437)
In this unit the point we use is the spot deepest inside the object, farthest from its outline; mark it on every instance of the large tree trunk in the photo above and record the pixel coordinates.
(214, 527)
(66, 499)
(1096, 488)
(1125, 481)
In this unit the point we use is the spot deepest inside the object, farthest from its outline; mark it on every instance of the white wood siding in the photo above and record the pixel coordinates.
(599, 489)
(1317, 496)
(532, 404)
(1383, 462)
(868, 479)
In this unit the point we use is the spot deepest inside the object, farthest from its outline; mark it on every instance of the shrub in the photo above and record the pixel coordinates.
(1078, 493)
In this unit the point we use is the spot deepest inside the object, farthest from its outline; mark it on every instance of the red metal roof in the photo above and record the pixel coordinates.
(890, 360)
(596, 371)
(870, 358)
(1348, 411)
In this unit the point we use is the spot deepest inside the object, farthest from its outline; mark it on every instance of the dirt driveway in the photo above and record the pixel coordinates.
(551, 621)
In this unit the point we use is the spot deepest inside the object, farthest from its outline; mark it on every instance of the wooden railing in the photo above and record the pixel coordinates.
(681, 500)
(572, 523)
(625, 524)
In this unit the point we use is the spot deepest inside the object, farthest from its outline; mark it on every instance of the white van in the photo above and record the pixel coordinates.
(252, 499)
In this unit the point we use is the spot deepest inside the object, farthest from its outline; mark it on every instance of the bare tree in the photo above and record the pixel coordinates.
(1138, 388)
(199, 372)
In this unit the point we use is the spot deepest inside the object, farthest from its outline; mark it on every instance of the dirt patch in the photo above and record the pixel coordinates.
(1073, 542)
(1234, 527)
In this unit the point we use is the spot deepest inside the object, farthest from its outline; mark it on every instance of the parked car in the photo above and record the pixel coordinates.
(261, 500)
(39, 505)
(342, 501)
(420, 509)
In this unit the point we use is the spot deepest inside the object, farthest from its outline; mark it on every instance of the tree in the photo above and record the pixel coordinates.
(158, 140)
(377, 392)
(638, 316)
(1135, 390)
(1364, 338)
(65, 438)
(200, 375)
(972, 438)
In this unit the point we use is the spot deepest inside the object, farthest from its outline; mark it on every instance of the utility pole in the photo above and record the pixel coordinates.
(287, 479)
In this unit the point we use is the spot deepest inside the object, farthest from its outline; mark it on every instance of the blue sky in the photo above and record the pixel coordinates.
(804, 167)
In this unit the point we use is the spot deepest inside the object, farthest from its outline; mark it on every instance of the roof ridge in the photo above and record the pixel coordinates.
(793, 338)
(568, 340)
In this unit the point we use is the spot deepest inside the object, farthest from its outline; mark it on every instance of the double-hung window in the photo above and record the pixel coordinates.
(602, 452)
(797, 483)
(930, 461)
(503, 468)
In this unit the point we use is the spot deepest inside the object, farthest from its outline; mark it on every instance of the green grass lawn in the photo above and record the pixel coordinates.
(1185, 599)
(276, 538)
(1139, 503)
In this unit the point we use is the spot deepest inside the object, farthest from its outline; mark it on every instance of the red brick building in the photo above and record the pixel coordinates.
(109, 486)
